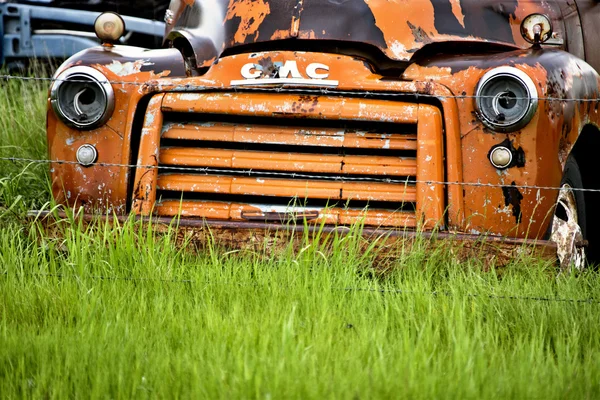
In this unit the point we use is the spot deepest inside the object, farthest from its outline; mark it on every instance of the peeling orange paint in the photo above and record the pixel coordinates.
(280, 34)
(457, 11)
(252, 13)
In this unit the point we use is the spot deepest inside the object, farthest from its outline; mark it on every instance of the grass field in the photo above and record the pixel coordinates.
(120, 311)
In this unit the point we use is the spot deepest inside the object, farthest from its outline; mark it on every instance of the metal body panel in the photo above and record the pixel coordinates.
(198, 234)
(589, 12)
(466, 140)
(398, 29)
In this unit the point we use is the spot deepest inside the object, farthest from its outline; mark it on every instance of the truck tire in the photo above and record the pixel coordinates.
(569, 228)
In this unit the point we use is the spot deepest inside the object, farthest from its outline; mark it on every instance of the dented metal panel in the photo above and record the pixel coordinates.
(252, 212)
(396, 28)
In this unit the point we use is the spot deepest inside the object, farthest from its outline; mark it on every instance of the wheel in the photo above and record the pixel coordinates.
(568, 229)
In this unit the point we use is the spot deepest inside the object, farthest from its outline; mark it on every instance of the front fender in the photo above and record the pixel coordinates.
(568, 91)
(163, 62)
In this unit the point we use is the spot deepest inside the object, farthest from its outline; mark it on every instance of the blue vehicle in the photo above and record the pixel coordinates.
(57, 29)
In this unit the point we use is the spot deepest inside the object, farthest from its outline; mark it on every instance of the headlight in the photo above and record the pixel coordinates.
(506, 99)
(82, 98)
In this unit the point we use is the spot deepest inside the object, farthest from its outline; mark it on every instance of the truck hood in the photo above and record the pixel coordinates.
(399, 28)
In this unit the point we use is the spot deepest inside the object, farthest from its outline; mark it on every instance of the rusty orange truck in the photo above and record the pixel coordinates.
(466, 117)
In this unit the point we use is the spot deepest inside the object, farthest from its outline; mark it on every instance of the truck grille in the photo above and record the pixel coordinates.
(237, 156)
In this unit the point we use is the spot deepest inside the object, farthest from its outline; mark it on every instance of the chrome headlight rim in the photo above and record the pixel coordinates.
(528, 85)
(80, 74)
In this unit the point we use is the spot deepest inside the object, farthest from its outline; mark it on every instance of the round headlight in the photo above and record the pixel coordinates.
(506, 99)
(82, 98)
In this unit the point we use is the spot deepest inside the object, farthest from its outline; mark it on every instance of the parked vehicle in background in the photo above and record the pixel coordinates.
(57, 29)
(454, 116)
(147, 9)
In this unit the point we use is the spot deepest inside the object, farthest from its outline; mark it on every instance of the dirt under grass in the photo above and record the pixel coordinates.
(116, 311)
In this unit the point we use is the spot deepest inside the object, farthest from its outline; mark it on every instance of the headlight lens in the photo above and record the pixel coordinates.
(82, 98)
(506, 99)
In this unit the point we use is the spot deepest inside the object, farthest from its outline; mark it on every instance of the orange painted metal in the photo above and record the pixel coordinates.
(430, 166)
(430, 95)
(332, 216)
(292, 106)
(300, 189)
(312, 108)
(322, 136)
(146, 176)
(293, 162)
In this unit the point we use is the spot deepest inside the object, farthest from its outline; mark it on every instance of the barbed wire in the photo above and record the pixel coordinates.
(295, 175)
(393, 291)
(175, 85)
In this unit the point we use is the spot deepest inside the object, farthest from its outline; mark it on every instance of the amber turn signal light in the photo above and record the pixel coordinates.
(109, 27)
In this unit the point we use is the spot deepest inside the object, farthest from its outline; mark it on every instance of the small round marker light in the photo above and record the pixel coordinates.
(501, 157)
(109, 27)
(87, 155)
(536, 28)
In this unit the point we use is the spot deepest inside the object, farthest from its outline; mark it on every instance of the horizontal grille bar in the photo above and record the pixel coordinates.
(341, 137)
(287, 188)
(291, 106)
(235, 211)
(292, 162)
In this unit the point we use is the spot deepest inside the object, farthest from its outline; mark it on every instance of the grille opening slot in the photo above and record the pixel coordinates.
(286, 148)
(296, 121)
(409, 181)
(138, 123)
(164, 195)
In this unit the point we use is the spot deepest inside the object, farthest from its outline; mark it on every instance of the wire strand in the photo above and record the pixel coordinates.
(295, 175)
(178, 86)
(545, 299)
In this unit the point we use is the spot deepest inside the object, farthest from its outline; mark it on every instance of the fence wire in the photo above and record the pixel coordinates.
(180, 85)
(294, 175)
(389, 291)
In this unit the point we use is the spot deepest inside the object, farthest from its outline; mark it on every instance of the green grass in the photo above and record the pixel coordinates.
(23, 135)
(120, 311)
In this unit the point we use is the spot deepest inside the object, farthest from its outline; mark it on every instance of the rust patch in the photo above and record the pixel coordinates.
(274, 238)
(513, 197)
(419, 34)
(269, 69)
(305, 104)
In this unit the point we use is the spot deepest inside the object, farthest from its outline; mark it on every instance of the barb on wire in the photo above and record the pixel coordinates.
(250, 172)
(178, 86)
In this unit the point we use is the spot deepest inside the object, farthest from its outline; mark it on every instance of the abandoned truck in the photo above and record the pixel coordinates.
(467, 117)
